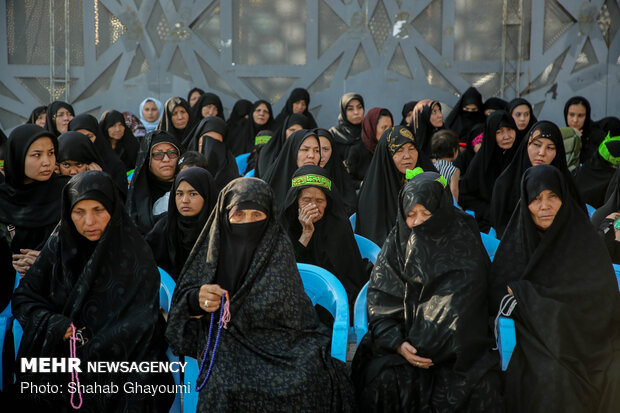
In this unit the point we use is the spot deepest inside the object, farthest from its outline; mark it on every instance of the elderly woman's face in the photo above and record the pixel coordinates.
(244, 216)
(417, 215)
(406, 157)
(90, 219)
(313, 196)
(544, 208)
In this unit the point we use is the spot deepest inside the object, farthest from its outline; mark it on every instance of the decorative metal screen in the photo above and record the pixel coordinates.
(102, 54)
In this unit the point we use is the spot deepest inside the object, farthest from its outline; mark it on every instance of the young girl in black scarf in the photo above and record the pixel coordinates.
(191, 200)
(30, 193)
(120, 137)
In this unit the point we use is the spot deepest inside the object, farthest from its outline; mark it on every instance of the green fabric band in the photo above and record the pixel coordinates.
(315, 180)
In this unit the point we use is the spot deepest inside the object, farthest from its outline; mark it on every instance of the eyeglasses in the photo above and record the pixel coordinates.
(158, 156)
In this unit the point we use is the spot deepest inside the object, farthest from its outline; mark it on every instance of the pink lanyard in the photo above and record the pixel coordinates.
(74, 375)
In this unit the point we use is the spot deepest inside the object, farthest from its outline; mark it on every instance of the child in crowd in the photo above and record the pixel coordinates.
(445, 149)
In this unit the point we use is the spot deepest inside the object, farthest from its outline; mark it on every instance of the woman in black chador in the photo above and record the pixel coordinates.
(543, 145)
(428, 346)
(553, 263)
(499, 146)
(97, 275)
(315, 219)
(378, 201)
(191, 200)
(274, 353)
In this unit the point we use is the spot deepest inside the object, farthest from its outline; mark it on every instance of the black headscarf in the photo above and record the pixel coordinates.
(604, 224)
(332, 245)
(108, 287)
(75, 146)
(221, 162)
(407, 107)
(511, 107)
(280, 174)
(591, 135)
(345, 133)
(339, 175)
(127, 147)
(506, 191)
(239, 128)
(145, 188)
(173, 236)
(273, 330)
(205, 100)
(461, 121)
(495, 103)
(36, 112)
(34, 208)
(563, 318)
(296, 95)
(270, 151)
(191, 92)
(594, 176)
(429, 288)
(112, 164)
(165, 123)
(50, 117)
(421, 125)
(476, 187)
(378, 198)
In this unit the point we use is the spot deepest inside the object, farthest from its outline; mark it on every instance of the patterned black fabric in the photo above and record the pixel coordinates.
(108, 287)
(429, 288)
(566, 294)
(274, 355)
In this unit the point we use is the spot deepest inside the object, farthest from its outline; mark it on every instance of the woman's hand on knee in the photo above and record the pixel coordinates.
(410, 353)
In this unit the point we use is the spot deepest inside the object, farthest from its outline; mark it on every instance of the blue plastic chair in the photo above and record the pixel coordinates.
(591, 210)
(506, 340)
(617, 270)
(250, 174)
(325, 289)
(6, 323)
(367, 248)
(190, 399)
(490, 243)
(360, 315)
(166, 288)
(242, 162)
(352, 220)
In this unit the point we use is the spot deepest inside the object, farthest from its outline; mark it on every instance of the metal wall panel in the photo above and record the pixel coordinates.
(120, 51)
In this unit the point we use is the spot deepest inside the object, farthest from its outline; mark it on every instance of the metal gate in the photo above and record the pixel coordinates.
(102, 54)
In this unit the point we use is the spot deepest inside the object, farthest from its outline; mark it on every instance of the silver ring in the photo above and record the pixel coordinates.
(206, 303)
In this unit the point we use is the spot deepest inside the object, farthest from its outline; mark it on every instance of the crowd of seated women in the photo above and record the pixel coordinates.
(89, 209)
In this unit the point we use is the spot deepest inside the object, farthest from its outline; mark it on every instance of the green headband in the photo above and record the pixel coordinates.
(604, 152)
(316, 180)
(261, 139)
(410, 173)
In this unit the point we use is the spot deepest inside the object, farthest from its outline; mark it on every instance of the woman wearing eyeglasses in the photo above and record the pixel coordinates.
(58, 116)
(153, 177)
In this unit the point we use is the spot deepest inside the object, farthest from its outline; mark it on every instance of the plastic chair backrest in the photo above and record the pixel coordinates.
(591, 210)
(250, 174)
(367, 248)
(242, 162)
(360, 316)
(617, 270)
(490, 244)
(506, 340)
(6, 323)
(325, 289)
(166, 288)
(352, 219)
